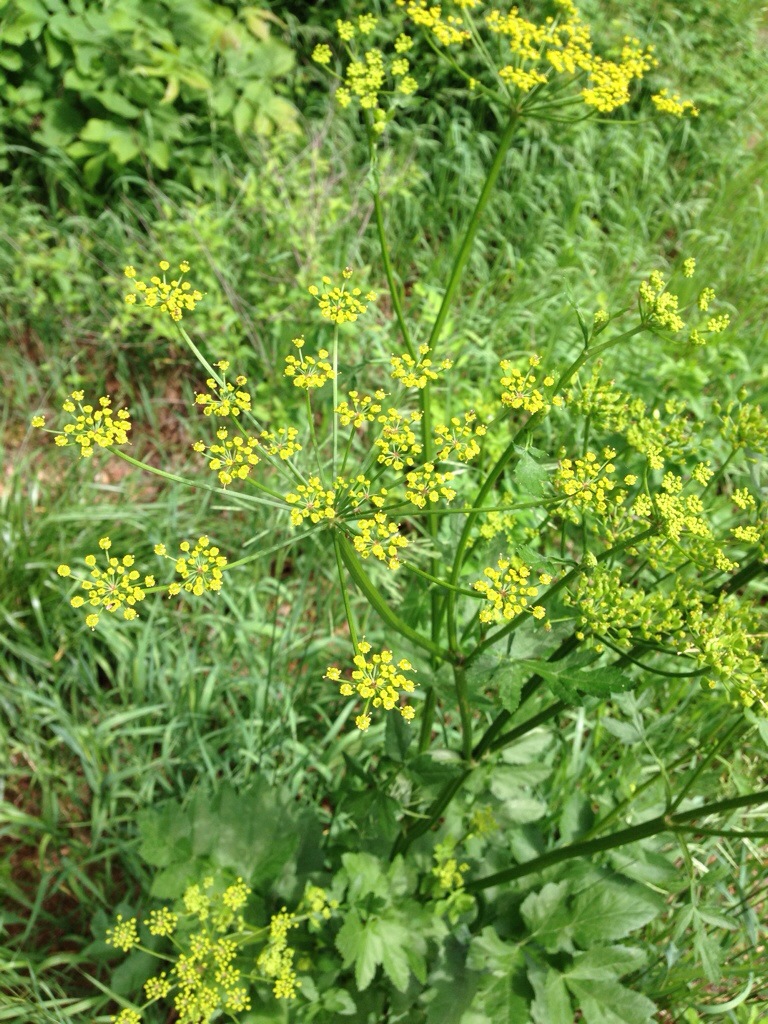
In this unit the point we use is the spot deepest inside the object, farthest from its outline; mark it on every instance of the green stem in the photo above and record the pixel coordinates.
(465, 712)
(381, 607)
(344, 591)
(644, 830)
(427, 718)
(437, 807)
(469, 236)
(196, 485)
(397, 304)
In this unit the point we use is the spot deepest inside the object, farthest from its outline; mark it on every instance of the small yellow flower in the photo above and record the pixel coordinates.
(124, 935)
(322, 54)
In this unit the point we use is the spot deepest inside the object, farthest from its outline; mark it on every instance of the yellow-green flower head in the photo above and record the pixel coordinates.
(113, 588)
(397, 443)
(231, 458)
(172, 296)
(417, 373)
(308, 372)
(360, 409)
(520, 390)
(670, 103)
(380, 537)
(313, 501)
(339, 303)
(379, 680)
(458, 439)
(200, 567)
(508, 591)
(124, 935)
(91, 427)
(126, 1017)
(322, 54)
(162, 922)
(228, 399)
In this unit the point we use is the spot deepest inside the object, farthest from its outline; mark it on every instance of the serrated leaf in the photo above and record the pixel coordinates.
(607, 963)
(360, 946)
(530, 478)
(548, 916)
(612, 910)
(552, 1004)
(609, 1002)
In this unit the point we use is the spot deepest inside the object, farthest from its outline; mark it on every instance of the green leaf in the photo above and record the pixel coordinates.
(530, 477)
(117, 104)
(379, 940)
(611, 910)
(61, 123)
(552, 1004)
(548, 916)
(609, 1002)
(607, 963)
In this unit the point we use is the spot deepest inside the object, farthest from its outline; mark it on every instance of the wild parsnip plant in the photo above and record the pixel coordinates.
(561, 545)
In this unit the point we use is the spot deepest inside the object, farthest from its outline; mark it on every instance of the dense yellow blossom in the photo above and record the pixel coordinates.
(417, 373)
(380, 537)
(113, 588)
(172, 296)
(379, 680)
(228, 399)
(308, 372)
(339, 303)
(231, 458)
(91, 427)
(508, 589)
(458, 438)
(200, 567)
(313, 501)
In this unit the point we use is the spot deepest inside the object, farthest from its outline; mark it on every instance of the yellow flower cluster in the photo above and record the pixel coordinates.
(173, 297)
(397, 443)
(670, 103)
(308, 372)
(588, 485)
(457, 439)
(507, 589)
(370, 73)
(227, 399)
(276, 959)
(209, 937)
(448, 871)
(232, 458)
(380, 537)
(425, 484)
(200, 567)
(745, 425)
(520, 391)
(448, 29)
(360, 409)
(378, 680)
(281, 442)
(338, 304)
(112, 589)
(359, 491)
(661, 306)
(124, 935)
(417, 373)
(315, 502)
(90, 427)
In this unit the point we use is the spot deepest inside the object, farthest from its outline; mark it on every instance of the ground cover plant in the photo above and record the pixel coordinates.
(456, 708)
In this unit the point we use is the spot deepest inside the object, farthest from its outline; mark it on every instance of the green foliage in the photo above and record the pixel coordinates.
(157, 88)
(572, 825)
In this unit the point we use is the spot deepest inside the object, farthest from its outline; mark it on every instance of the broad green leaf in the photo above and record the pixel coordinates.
(530, 477)
(365, 874)
(548, 916)
(489, 952)
(607, 963)
(609, 1002)
(361, 946)
(552, 1004)
(611, 910)
(501, 1000)
(117, 104)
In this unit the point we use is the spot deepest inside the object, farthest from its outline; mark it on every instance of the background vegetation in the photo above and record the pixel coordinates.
(221, 147)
